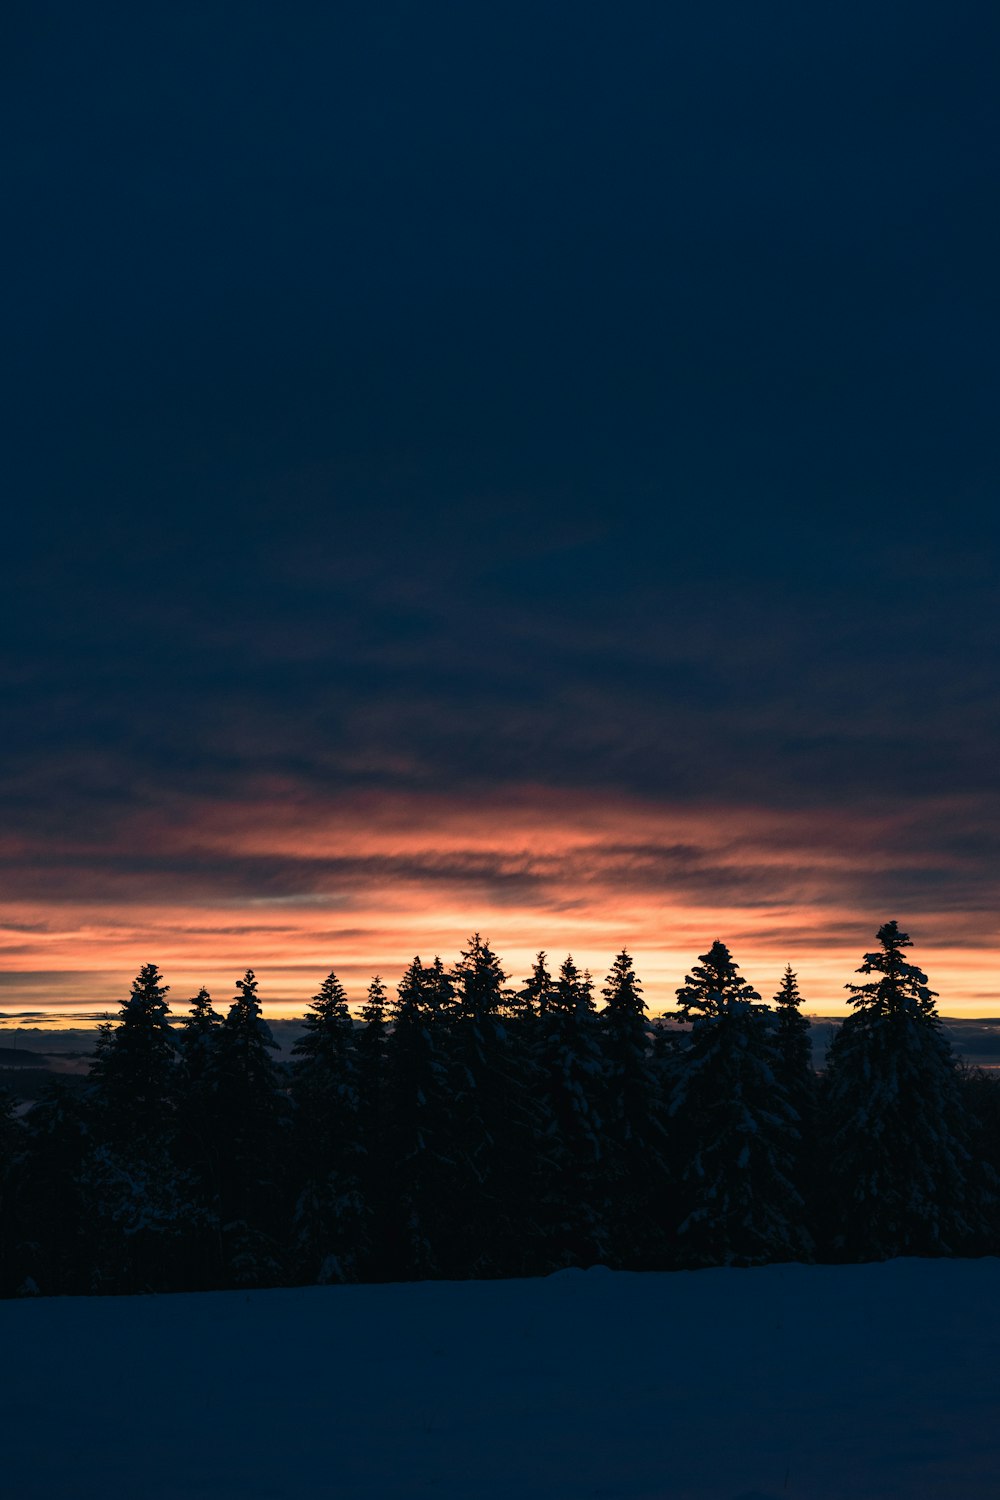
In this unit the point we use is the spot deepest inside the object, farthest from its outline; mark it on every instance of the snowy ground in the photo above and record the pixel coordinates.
(785, 1383)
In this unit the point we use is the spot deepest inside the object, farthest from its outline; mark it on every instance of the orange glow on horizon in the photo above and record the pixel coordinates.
(292, 889)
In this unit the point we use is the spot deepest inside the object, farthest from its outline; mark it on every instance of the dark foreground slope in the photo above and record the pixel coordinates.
(785, 1381)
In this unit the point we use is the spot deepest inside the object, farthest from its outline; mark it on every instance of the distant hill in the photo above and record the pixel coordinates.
(22, 1057)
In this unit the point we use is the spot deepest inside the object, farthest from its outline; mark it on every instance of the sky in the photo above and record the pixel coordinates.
(525, 468)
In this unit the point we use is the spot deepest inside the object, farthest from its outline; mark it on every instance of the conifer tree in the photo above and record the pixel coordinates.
(713, 985)
(329, 1219)
(138, 1202)
(251, 1103)
(633, 1124)
(371, 1043)
(538, 987)
(199, 1036)
(901, 1177)
(493, 1120)
(132, 1076)
(794, 1069)
(199, 1138)
(736, 1130)
(629, 1109)
(576, 1206)
(792, 1039)
(420, 1148)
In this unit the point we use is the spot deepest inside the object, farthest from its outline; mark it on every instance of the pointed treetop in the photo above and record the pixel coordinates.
(330, 1002)
(148, 991)
(714, 985)
(424, 989)
(573, 992)
(202, 1013)
(788, 992)
(373, 1010)
(245, 1014)
(536, 991)
(623, 991)
(478, 979)
(901, 987)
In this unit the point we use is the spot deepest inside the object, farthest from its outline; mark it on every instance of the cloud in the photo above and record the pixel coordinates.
(294, 882)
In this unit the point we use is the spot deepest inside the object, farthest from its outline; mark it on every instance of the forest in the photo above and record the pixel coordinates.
(463, 1128)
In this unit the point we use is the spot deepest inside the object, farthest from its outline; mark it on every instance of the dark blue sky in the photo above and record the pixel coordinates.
(443, 398)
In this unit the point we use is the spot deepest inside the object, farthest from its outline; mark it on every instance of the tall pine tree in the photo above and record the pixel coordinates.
(736, 1130)
(132, 1076)
(576, 1204)
(420, 1150)
(138, 1203)
(329, 1222)
(371, 1046)
(252, 1114)
(493, 1120)
(900, 1174)
(633, 1124)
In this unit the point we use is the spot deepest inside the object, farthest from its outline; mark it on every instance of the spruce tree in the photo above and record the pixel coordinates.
(252, 1114)
(493, 1120)
(370, 1046)
(537, 989)
(419, 1133)
(794, 1069)
(132, 1076)
(713, 985)
(329, 1219)
(900, 1174)
(576, 1191)
(138, 1201)
(371, 1043)
(792, 1039)
(737, 1132)
(633, 1123)
(198, 1038)
(198, 1138)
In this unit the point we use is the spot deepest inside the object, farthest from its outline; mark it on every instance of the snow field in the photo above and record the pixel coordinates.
(786, 1382)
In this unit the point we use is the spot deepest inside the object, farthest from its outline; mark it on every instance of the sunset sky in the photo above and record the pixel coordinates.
(527, 468)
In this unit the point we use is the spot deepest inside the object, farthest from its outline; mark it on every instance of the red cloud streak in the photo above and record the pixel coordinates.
(294, 886)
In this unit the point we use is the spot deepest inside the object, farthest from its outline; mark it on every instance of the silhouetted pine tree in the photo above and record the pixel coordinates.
(795, 1072)
(633, 1123)
(132, 1076)
(329, 1226)
(371, 1045)
(371, 1042)
(736, 1130)
(792, 1039)
(419, 1133)
(199, 1035)
(252, 1113)
(139, 1204)
(901, 1178)
(198, 1138)
(576, 1189)
(538, 988)
(493, 1121)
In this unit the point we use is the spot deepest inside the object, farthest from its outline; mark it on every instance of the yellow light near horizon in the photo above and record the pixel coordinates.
(587, 874)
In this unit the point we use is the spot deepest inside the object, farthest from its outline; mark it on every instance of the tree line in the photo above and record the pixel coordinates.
(463, 1128)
